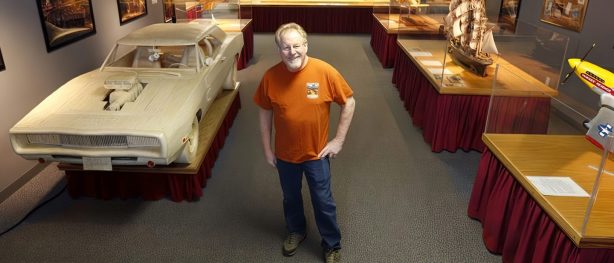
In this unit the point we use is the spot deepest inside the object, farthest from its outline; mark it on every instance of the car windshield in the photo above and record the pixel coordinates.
(155, 57)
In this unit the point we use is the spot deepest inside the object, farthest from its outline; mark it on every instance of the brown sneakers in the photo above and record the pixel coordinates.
(291, 243)
(332, 255)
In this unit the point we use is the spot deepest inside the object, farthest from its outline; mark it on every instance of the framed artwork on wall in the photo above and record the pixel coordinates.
(169, 11)
(130, 10)
(2, 66)
(568, 14)
(65, 21)
(508, 15)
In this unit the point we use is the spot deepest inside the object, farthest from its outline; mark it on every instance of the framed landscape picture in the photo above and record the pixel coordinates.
(568, 14)
(169, 11)
(2, 66)
(130, 10)
(65, 21)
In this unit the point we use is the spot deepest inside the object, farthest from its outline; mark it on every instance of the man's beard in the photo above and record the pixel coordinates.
(294, 64)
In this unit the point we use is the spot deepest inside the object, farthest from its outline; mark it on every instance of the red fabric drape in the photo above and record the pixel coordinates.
(314, 19)
(248, 47)
(384, 45)
(152, 186)
(515, 226)
(452, 122)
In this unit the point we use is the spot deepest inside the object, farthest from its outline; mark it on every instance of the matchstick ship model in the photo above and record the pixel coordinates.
(470, 36)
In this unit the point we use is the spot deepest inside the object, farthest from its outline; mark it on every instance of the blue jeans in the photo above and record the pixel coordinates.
(317, 173)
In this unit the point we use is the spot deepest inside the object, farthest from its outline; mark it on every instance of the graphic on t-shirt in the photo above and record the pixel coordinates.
(312, 90)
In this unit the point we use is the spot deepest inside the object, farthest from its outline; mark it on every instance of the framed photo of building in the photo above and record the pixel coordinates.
(2, 66)
(169, 11)
(568, 14)
(130, 10)
(508, 14)
(65, 21)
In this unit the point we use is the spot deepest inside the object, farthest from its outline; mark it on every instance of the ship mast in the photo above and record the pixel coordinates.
(482, 27)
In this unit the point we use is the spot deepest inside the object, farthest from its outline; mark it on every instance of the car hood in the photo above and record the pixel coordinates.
(79, 106)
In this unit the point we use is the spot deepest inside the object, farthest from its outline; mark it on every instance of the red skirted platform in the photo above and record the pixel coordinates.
(314, 19)
(384, 44)
(152, 186)
(248, 46)
(514, 224)
(450, 122)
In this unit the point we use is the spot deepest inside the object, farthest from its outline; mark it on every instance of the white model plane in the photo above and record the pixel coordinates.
(600, 81)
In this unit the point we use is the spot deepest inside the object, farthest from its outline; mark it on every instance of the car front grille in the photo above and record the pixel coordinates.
(93, 141)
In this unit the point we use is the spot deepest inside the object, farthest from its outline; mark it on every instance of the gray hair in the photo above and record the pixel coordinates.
(289, 26)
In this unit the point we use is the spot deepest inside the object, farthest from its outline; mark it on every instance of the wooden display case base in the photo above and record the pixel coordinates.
(523, 225)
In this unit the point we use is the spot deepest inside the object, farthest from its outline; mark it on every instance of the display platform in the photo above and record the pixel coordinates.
(454, 116)
(314, 16)
(386, 28)
(177, 181)
(525, 226)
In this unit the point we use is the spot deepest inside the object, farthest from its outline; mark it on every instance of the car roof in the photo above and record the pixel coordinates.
(167, 34)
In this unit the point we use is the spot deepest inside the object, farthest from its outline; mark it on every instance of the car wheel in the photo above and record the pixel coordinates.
(188, 154)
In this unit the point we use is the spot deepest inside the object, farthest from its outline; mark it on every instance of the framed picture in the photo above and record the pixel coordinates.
(508, 15)
(568, 14)
(130, 10)
(2, 66)
(65, 21)
(169, 11)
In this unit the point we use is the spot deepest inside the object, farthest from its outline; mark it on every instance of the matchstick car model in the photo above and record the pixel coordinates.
(142, 107)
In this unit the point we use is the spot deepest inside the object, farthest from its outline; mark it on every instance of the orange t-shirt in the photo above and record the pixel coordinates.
(300, 102)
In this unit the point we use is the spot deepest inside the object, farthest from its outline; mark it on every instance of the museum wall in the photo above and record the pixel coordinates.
(597, 29)
(32, 74)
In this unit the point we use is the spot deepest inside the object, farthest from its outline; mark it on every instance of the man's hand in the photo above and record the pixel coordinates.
(331, 149)
(266, 122)
(270, 158)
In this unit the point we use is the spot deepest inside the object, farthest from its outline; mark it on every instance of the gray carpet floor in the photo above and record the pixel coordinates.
(397, 201)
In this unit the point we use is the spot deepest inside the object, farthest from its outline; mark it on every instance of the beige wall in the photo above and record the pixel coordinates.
(32, 74)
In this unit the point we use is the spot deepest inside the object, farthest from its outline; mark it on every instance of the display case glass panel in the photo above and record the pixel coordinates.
(541, 52)
(525, 87)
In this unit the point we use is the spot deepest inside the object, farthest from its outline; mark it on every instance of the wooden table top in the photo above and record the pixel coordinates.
(421, 24)
(512, 81)
(316, 3)
(208, 129)
(562, 155)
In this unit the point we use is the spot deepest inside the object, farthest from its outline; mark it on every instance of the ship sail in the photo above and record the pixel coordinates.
(469, 35)
(488, 44)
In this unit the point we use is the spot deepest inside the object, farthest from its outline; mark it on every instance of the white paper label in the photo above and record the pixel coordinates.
(420, 54)
(97, 163)
(557, 186)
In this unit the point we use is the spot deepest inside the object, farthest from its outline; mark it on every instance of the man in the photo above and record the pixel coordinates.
(295, 95)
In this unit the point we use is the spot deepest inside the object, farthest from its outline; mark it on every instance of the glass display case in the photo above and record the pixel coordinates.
(186, 11)
(413, 17)
(534, 54)
(228, 14)
(561, 155)
(567, 167)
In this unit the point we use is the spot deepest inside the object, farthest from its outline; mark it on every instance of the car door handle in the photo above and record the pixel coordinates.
(223, 59)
